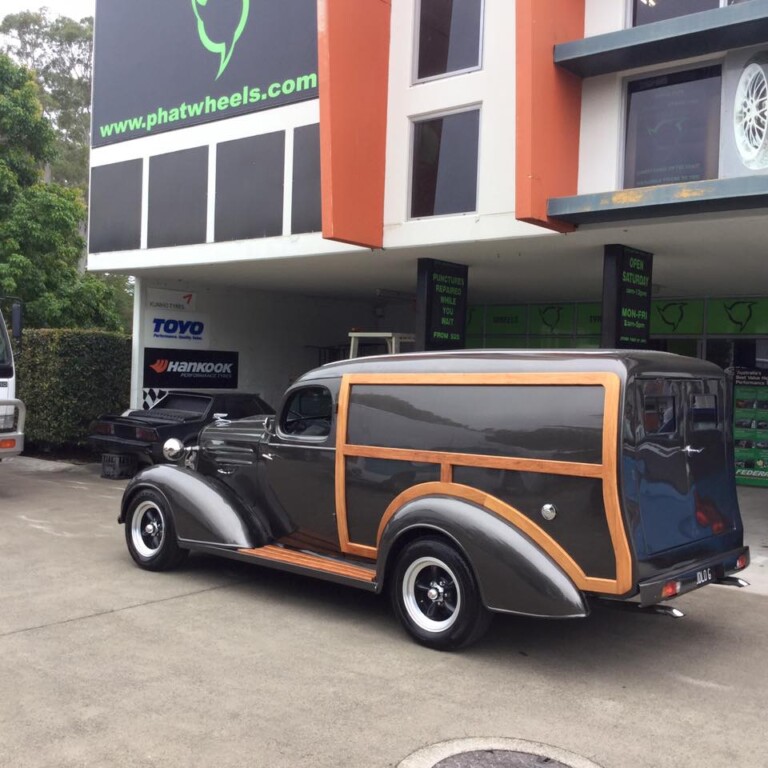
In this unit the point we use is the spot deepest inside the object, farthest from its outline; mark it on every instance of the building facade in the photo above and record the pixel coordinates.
(272, 174)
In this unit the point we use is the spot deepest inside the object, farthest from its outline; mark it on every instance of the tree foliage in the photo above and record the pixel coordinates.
(41, 243)
(59, 51)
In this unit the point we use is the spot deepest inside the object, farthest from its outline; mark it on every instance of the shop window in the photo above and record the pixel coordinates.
(449, 36)
(178, 198)
(444, 179)
(673, 128)
(249, 187)
(648, 11)
(306, 211)
(115, 222)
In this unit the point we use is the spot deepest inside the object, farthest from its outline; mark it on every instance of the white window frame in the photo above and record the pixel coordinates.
(415, 79)
(631, 11)
(414, 119)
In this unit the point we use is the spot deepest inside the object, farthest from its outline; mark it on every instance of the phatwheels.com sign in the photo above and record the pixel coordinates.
(164, 65)
(189, 369)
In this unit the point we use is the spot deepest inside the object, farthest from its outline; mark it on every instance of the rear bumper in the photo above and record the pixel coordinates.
(691, 577)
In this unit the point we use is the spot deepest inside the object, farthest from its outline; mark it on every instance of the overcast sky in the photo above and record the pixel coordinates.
(75, 9)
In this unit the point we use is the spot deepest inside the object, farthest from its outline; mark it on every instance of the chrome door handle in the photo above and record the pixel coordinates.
(690, 450)
(268, 456)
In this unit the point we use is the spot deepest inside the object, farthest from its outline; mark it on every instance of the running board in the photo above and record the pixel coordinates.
(314, 564)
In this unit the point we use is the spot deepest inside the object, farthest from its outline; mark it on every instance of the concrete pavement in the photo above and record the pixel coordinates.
(102, 664)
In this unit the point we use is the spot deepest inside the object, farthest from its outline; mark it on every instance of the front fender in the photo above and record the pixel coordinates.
(514, 574)
(204, 510)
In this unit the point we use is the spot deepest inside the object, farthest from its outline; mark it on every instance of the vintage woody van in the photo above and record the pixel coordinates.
(466, 484)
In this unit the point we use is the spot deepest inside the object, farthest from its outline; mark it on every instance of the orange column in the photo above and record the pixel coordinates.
(353, 53)
(548, 109)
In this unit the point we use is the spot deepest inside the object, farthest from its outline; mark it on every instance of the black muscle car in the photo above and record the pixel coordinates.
(467, 483)
(180, 414)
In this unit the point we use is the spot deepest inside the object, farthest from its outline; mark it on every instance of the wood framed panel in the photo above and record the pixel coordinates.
(605, 470)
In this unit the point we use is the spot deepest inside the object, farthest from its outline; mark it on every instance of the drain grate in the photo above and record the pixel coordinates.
(498, 759)
(494, 753)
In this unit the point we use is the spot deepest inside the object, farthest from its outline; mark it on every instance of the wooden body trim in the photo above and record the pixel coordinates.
(605, 471)
(310, 562)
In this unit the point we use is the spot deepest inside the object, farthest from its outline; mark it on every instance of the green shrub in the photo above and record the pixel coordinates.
(67, 378)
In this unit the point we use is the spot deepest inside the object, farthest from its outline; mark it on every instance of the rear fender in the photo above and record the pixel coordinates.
(514, 574)
(204, 511)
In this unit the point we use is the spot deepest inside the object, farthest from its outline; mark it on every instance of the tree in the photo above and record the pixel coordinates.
(59, 51)
(40, 223)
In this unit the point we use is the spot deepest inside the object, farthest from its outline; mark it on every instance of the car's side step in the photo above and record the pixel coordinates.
(305, 561)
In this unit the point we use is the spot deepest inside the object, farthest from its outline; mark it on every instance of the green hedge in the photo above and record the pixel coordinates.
(67, 378)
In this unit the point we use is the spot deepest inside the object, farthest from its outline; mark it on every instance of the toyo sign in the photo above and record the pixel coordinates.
(168, 329)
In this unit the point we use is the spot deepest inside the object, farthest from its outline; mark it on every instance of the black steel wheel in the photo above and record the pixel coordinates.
(435, 596)
(150, 533)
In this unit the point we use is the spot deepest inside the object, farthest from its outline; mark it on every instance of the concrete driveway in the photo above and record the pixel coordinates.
(223, 664)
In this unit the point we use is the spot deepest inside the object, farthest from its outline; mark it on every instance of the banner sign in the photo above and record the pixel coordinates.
(159, 66)
(737, 316)
(169, 329)
(507, 320)
(171, 301)
(551, 319)
(677, 317)
(750, 426)
(441, 305)
(627, 276)
(189, 369)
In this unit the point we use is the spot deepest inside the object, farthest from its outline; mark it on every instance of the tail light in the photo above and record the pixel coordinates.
(670, 589)
(104, 428)
(146, 434)
(741, 562)
(708, 516)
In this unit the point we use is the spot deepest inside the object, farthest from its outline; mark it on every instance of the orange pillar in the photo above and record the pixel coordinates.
(548, 109)
(353, 60)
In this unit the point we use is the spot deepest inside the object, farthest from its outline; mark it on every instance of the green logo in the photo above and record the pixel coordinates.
(226, 48)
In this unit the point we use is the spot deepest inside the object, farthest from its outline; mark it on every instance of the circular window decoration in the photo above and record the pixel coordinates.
(750, 116)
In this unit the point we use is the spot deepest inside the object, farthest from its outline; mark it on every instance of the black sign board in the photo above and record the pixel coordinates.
(627, 291)
(442, 305)
(190, 369)
(166, 64)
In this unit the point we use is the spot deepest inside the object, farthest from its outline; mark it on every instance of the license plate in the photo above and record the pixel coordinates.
(704, 576)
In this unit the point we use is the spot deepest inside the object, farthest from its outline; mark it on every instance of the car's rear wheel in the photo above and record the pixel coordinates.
(150, 533)
(435, 596)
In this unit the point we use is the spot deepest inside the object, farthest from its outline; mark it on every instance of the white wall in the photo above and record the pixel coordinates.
(492, 88)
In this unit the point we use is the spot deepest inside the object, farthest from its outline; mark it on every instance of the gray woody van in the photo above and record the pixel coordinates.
(467, 483)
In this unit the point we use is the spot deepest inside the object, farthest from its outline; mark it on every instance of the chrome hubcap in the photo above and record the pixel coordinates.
(147, 529)
(431, 594)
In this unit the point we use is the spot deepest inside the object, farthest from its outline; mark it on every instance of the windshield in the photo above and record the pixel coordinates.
(5, 344)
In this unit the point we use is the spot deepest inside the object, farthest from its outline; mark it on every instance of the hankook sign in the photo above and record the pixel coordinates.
(164, 65)
(190, 369)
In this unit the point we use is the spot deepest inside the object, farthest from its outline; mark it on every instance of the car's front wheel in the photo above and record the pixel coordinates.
(150, 533)
(435, 596)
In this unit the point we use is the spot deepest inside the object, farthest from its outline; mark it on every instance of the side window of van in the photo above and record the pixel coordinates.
(703, 410)
(659, 414)
(307, 413)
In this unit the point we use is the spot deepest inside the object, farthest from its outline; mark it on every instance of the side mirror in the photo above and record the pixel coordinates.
(269, 424)
(17, 320)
